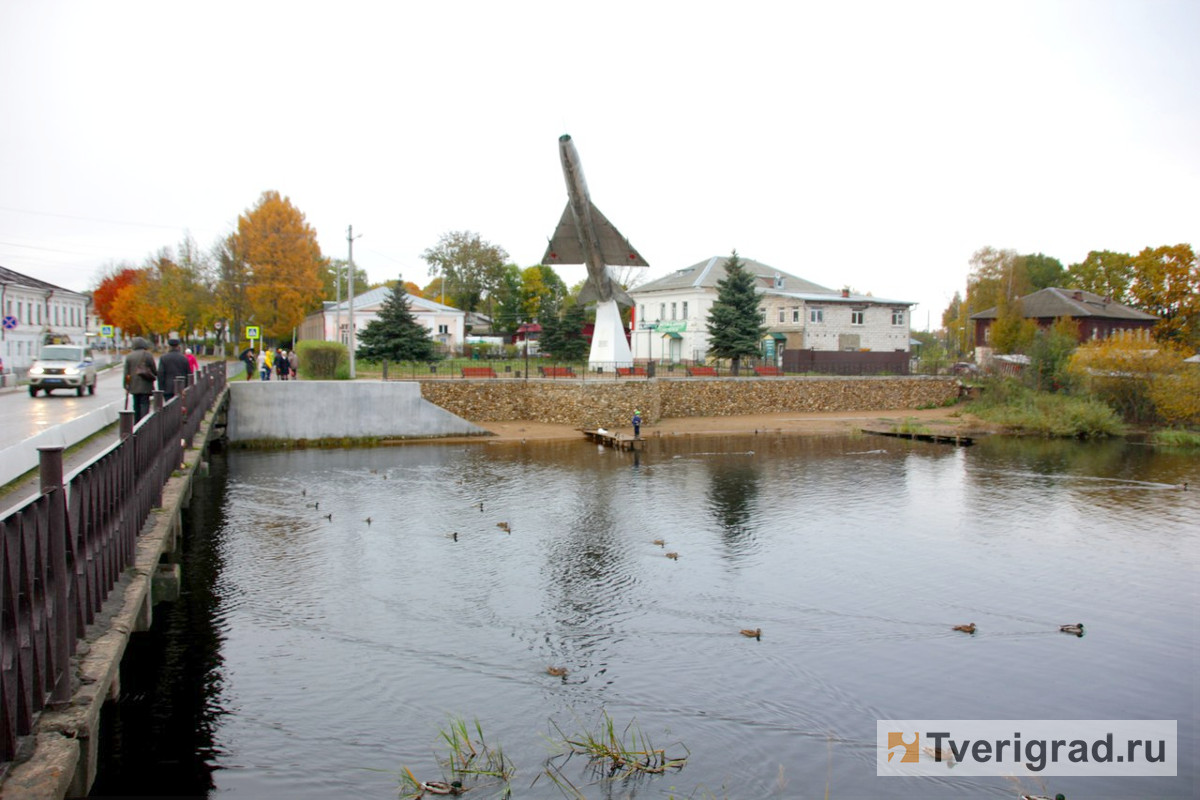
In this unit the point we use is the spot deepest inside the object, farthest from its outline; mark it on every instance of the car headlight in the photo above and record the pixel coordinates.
(71, 371)
(36, 370)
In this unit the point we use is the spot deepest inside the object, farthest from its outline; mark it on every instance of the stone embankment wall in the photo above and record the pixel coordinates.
(609, 404)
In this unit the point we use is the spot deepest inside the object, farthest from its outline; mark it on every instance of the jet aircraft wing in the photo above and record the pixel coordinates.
(565, 247)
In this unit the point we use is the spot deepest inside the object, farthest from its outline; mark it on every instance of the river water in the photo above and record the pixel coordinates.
(314, 657)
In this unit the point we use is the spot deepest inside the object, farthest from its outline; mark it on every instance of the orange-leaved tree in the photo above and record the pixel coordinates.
(105, 294)
(283, 264)
(144, 307)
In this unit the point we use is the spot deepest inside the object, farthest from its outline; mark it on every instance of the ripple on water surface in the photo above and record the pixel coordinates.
(348, 643)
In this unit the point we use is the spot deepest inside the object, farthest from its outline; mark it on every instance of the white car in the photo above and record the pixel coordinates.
(63, 366)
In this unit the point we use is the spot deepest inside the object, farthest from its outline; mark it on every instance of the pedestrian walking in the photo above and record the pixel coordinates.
(264, 368)
(282, 367)
(293, 362)
(193, 362)
(637, 424)
(247, 358)
(140, 374)
(172, 365)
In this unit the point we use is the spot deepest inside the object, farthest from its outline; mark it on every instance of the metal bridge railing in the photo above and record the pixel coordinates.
(62, 552)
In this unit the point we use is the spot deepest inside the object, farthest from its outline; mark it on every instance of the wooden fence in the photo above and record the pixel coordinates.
(63, 551)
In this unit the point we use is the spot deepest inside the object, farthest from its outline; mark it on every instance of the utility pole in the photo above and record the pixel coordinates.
(350, 237)
(337, 278)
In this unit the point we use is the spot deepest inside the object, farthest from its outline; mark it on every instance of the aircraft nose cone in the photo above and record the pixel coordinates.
(566, 137)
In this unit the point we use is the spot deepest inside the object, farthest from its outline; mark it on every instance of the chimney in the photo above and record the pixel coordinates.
(1077, 296)
(845, 292)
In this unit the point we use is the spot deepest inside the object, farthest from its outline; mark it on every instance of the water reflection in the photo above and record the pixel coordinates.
(732, 497)
(335, 649)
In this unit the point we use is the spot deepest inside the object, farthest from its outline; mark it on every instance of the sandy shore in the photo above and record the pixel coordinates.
(937, 420)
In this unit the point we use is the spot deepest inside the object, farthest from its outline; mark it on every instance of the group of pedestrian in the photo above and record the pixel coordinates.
(142, 373)
(280, 362)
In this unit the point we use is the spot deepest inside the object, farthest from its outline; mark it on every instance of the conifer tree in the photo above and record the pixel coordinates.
(395, 335)
(734, 328)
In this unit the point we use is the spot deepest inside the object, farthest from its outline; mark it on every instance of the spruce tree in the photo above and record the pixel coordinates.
(734, 328)
(395, 335)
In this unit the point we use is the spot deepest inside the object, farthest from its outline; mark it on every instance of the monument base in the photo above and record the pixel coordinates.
(610, 348)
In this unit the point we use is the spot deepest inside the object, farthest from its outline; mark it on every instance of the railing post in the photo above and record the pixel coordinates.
(126, 428)
(156, 404)
(62, 634)
(50, 468)
(180, 382)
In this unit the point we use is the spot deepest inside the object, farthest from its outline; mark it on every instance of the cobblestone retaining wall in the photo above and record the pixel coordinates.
(593, 404)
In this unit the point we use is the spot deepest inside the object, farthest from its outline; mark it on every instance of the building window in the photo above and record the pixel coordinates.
(662, 310)
(672, 311)
(443, 329)
(642, 312)
(796, 314)
(897, 316)
(762, 316)
(684, 315)
(858, 317)
(782, 313)
(816, 315)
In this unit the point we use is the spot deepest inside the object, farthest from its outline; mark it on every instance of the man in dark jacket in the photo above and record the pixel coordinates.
(140, 373)
(172, 365)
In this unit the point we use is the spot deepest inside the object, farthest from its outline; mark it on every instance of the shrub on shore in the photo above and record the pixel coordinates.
(1026, 411)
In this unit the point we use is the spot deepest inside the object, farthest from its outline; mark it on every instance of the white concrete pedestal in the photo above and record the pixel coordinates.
(609, 346)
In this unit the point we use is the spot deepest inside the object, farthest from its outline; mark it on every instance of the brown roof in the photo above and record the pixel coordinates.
(1052, 303)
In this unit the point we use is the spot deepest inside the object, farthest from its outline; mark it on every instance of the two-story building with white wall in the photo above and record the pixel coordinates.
(37, 313)
(671, 315)
(447, 325)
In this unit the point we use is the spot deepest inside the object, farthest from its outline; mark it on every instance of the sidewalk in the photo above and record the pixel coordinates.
(27, 486)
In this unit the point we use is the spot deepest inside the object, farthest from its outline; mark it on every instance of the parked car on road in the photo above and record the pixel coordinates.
(63, 366)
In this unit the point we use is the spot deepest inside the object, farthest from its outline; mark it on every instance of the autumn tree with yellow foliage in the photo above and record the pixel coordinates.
(1143, 380)
(283, 265)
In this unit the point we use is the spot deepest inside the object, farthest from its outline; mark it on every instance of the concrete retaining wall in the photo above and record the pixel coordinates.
(316, 410)
(609, 404)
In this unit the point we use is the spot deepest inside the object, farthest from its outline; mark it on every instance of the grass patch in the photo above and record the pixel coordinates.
(1174, 437)
(910, 427)
(611, 756)
(1029, 412)
(470, 764)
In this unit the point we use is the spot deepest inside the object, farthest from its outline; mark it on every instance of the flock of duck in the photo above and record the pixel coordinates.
(1074, 630)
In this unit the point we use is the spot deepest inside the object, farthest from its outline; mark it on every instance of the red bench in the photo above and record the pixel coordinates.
(764, 372)
(630, 372)
(705, 372)
(478, 372)
(556, 372)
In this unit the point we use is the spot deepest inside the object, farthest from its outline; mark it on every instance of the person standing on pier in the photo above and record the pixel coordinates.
(637, 424)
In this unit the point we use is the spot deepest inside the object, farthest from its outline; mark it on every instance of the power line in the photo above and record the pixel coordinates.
(90, 219)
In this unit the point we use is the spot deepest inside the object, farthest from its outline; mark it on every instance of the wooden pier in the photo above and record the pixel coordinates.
(617, 441)
(937, 438)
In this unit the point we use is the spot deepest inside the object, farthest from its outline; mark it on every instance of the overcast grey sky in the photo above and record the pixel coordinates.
(875, 144)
